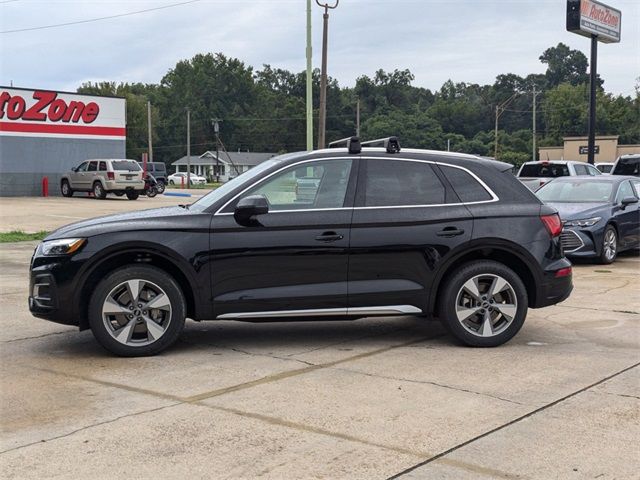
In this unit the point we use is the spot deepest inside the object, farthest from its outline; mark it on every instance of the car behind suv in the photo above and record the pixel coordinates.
(535, 174)
(103, 176)
(158, 170)
(627, 165)
(385, 232)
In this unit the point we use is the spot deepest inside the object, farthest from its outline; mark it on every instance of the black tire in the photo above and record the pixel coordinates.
(454, 293)
(98, 191)
(151, 192)
(66, 189)
(133, 195)
(608, 250)
(160, 187)
(136, 347)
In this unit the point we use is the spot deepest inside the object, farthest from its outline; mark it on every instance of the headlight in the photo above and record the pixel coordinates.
(64, 246)
(585, 222)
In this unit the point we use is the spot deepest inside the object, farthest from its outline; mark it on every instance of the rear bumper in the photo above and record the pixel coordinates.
(113, 185)
(554, 289)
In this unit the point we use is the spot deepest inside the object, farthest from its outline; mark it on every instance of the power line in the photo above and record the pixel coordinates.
(98, 18)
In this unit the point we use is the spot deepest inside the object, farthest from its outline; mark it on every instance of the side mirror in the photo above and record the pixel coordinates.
(74, 169)
(249, 207)
(626, 201)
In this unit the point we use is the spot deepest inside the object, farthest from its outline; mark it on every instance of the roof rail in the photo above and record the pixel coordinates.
(390, 144)
(352, 144)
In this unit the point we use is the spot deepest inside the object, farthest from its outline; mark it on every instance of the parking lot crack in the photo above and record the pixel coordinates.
(427, 382)
(37, 336)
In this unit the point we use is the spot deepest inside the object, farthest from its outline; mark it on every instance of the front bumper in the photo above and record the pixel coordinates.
(582, 242)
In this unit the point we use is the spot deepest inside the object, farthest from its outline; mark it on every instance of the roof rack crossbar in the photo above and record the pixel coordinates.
(352, 144)
(390, 144)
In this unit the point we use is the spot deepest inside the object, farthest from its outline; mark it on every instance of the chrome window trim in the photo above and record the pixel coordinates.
(320, 312)
(494, 197)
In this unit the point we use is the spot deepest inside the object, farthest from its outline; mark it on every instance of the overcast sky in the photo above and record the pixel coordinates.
(463, 40)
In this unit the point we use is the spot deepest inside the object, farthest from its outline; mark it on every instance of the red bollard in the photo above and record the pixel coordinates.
(182, 183)
(45, 186)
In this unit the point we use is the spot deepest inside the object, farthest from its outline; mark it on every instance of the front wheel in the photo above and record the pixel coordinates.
(609, 250)
(137, 311)
(65, 189)
(484, 304)
(160, 187)
(133, 195)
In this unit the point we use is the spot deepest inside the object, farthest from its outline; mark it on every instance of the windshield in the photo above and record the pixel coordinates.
(575, 192)
(550, 170)
(244, 178)
(127, 165)
(628, 166)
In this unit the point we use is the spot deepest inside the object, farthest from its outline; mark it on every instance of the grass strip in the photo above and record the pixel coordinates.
(20, 236)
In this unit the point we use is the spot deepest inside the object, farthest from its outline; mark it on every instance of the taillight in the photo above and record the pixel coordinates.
(552, 223)
(110, 176)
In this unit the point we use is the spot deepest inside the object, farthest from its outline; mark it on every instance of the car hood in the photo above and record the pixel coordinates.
(138, 220)
(577, 211)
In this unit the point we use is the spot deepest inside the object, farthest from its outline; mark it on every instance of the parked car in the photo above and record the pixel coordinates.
(600, 214)
(158, 170)
(605, 167)
(389, 232)
(179, 178)
(103, 176)
(627, 165)
(536, 174)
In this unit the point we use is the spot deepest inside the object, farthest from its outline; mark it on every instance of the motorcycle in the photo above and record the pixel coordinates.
(150, 186)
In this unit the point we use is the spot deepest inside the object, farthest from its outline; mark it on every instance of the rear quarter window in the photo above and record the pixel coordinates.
(125, 165)
(465, 185)
(546, 170)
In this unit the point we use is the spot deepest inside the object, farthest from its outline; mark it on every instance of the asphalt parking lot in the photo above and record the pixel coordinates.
(369, 399)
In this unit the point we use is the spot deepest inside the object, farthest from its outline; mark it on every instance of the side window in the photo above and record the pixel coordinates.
(467, 187)
(580, 169)
(321, 184)
(399, 182)
(624, 190)
(636, 184)
(592, 170)
(82, 167)
(93, 166)
(103, 167)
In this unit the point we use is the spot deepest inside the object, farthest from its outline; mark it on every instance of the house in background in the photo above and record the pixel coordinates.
(228, 165)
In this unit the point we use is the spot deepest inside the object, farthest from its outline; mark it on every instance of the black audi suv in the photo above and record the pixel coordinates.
(386, 232)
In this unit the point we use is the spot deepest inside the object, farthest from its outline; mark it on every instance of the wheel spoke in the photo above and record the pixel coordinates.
(134, 287)
(487, 327)
(161, 302)
(471, 286)
(497, 286)
(154, 331)
(464, 313)
(111, 307)
(507, 309)
(123, 334)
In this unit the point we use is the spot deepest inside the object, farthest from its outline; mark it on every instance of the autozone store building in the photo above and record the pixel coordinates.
(44, 133)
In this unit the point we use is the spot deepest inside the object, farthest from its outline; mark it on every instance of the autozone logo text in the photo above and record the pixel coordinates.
(47, 107)
(599, 14)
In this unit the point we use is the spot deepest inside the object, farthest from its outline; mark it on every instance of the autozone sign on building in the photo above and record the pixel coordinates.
(588, 17)
(44, 113)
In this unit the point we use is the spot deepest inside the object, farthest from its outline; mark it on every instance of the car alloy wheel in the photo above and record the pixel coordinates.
(66, 189)
(136, 312)
(486, 305)
(98, 191)
(610, 245)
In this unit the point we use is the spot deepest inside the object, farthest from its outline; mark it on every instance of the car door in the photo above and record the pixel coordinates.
(406, 221)
(78, 178)
(91, 175)
(627, 218)
(293, 260)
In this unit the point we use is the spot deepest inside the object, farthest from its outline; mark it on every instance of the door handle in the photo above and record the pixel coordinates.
(329, 237)
(450, 232)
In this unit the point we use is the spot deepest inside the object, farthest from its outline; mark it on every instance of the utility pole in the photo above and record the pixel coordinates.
(322, 120)
(448, 144)
(188, 148)
(309, 82)
(593, 78)
(533, 150)
(216, 130)
(149, 128)
(500, 108)
(358, 118)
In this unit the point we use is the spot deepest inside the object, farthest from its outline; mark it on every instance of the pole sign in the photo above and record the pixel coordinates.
(589, 17)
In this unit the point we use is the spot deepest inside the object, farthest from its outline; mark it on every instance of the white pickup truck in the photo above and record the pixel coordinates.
(535, 174)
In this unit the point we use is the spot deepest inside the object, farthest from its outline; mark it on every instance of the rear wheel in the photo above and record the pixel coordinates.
(484, 304)
(98, 191)
(609, 250)
(65, 189)
(160, 187)
(133, 195)
(137, 311)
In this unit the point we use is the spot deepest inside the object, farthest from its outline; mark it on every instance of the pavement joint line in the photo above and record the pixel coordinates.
(597, 309)
(37, 336)
(86, 427)
(512, 422)
(426, 382)
(293, 373)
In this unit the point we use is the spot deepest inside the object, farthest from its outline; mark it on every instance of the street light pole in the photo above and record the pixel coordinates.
(188, 148)
(499, 111)
(322, 120)
(309, 82)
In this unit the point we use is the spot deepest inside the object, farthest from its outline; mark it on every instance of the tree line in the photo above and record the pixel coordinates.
(264, 110)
